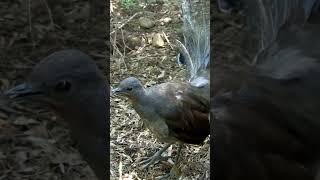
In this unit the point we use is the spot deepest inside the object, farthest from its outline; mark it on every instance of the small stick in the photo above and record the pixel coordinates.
(166, 37)
(126, 22)
(120, 168)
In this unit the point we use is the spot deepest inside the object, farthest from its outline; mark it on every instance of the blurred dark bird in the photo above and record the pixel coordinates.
(178, 111)
(266, 124)
(70, 83)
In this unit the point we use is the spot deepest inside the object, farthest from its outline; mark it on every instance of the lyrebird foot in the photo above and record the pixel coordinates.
(155, 158)
(152, 160)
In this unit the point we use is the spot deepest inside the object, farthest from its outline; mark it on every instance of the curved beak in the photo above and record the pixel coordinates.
(22, 90)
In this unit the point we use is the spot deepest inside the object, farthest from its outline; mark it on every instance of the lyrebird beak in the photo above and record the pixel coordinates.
(116, 91)
(22, 90)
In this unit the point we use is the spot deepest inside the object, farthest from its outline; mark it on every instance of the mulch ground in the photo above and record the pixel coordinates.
(130, 141)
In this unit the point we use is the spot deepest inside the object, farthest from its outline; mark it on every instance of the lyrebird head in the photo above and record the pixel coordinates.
(62, 80)
(130, 87)
(70, 83)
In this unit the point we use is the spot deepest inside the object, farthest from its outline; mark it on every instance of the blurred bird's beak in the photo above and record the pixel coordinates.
(116, 91)
(22, 90)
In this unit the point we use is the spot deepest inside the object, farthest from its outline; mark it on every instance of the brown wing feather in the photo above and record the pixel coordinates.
(189, 119)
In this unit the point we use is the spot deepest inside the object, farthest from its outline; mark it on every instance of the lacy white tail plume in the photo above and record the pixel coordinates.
(196, 31)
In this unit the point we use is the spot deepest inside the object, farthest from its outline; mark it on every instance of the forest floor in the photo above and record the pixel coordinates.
(135, 54)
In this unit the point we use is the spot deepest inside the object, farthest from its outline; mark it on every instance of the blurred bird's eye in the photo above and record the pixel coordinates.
(129, 89)
(63, 86)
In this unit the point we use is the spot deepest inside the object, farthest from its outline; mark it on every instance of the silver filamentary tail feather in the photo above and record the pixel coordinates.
(196, 32)
(266, 17)
(196, 47)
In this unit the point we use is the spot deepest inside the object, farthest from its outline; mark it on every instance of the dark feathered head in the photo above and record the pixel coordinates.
(62, 79)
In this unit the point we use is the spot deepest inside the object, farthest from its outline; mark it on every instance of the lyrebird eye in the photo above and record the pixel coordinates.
(63, 86)
(129, 89)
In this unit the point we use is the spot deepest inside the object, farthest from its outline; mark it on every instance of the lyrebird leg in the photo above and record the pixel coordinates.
(156, 157)
(175, 171)
(178, 153)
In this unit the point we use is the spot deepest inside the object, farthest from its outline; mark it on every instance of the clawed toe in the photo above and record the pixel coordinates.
(155, 158)
(152, 160)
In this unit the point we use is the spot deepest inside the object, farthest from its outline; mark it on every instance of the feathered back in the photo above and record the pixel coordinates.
(196, 32)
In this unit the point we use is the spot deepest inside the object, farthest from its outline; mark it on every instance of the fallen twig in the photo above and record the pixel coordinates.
(126, 22)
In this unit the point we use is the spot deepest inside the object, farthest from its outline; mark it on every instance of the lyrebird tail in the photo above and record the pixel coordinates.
(266, 17)
(196, 47)
(196, 31)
